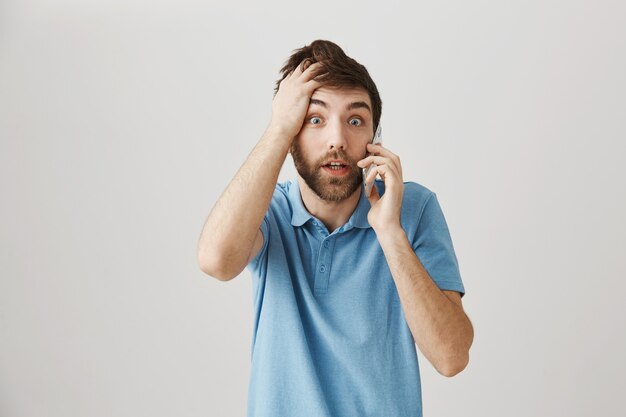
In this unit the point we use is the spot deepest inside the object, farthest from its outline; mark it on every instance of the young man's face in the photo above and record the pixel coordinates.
(338, 126)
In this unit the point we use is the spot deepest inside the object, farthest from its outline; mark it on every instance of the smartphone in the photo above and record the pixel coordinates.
(377, 139)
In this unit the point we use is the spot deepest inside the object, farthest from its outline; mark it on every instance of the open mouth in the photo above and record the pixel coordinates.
(336, 169)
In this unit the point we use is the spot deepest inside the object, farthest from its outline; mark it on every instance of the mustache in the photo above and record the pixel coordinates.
(337, 155)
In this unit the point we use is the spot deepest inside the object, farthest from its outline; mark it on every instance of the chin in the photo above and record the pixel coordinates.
(336, 189)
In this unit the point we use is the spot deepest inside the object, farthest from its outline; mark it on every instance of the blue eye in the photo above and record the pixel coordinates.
(312, 120)
(359, 122)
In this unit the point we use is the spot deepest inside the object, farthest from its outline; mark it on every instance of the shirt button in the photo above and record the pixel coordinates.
(326, 244)
(322, 268)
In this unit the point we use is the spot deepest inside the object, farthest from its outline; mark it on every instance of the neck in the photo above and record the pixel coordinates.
(333, 214)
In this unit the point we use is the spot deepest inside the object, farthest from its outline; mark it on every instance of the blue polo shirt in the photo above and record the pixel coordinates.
(330, 338)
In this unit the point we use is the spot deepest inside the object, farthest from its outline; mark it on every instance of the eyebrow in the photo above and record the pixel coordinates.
(351, 106)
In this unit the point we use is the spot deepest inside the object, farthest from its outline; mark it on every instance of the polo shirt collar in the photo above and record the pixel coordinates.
(300, 215)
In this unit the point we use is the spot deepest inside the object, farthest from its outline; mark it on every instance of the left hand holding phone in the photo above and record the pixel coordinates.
(385, 211)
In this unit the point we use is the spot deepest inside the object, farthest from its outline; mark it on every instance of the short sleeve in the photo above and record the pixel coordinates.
(254, 263)
(433, 246)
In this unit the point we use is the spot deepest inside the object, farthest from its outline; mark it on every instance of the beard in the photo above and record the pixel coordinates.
(326, 186)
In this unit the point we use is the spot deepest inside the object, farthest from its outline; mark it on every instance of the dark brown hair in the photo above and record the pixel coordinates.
(340, 69)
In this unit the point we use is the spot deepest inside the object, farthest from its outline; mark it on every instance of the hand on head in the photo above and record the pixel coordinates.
(292, 100)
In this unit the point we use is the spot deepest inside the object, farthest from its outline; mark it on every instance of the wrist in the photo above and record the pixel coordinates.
(279, 133)
(282, 129)
(390, 233)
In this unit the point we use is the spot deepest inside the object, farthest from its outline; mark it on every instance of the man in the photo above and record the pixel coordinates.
(344, 285)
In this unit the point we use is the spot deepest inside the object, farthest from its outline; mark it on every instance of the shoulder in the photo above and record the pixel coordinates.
(283, 187)
(282, 192)
(415, 195)
(281, 204)
(414, 199)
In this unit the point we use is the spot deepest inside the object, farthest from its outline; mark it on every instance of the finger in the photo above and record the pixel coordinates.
(312, 76)
(378, 169)
(299, 69)
(321, 75)
(378, 149)
(303, 65)
(380, 161)
(314, 70)
(374, 159)
(314, 84)
(386, 172)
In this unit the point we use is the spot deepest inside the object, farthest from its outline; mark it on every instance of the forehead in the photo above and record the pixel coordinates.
(339, 97)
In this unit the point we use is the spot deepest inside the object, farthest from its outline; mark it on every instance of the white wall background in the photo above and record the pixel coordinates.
(121, 122)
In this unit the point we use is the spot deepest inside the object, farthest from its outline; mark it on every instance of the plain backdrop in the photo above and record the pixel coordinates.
(121, 123)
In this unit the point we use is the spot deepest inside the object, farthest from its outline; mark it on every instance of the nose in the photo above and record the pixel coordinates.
(337, 136)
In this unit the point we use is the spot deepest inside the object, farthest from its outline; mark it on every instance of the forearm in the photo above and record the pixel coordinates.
(440, 328)
(230, 229)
